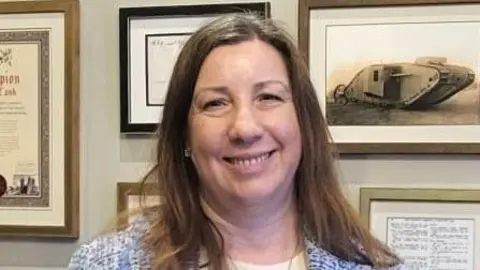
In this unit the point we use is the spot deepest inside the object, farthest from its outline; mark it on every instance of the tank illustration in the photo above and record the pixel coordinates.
(422, 84)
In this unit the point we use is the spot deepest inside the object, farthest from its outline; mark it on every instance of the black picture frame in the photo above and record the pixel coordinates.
(126, 15)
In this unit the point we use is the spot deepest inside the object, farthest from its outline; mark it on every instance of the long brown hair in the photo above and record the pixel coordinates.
(179, 227)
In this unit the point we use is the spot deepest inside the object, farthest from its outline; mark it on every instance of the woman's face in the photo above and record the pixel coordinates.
(244, 134)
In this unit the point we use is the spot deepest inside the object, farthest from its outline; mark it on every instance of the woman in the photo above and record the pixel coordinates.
(244, 167)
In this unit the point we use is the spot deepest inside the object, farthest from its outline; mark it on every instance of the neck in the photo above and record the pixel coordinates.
(260, 232)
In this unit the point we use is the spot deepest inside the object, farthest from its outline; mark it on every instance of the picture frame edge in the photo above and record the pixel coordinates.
(367, 195)
(71, 213)
(345, 149)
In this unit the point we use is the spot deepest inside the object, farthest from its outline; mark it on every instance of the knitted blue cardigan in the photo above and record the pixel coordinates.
(123, 251)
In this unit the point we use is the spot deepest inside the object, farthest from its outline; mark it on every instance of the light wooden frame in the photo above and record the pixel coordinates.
(70, 10)
(127, 189)
(368, 147)
(369, 195)
(428, 210)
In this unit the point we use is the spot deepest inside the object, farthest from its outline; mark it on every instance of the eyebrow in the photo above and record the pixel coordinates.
(257, 86)
(262, 84)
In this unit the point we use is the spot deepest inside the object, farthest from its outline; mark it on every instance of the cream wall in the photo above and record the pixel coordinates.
(107, 157)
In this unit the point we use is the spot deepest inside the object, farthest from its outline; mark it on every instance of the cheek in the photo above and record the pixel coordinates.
(204, 137)
(285, 127)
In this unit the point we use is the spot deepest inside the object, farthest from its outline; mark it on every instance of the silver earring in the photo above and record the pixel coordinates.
(186, 152)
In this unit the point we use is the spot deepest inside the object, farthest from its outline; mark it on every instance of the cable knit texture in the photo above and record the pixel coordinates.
(123, 251)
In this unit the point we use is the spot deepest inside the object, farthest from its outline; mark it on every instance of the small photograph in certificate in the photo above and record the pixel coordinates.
(3, 185)
(23, 186)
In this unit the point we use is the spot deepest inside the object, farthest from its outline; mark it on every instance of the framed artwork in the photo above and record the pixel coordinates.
(428, 228)
(130, 198)
(150, 40)
(39, 118)
(396, 76)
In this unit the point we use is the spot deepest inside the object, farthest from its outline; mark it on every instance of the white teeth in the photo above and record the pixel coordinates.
(249, 161)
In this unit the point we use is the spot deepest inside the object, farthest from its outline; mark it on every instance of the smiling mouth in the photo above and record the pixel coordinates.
(247, 161)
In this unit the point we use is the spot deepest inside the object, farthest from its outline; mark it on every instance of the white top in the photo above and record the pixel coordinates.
(298, 263)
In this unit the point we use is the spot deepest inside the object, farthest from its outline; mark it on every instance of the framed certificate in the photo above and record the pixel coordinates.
(39, 139)
(150, 40)
(428, 228)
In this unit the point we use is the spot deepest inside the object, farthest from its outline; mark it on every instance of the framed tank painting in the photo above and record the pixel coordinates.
(427, 228)
(39, 119)
(150, 40)
(396, 76)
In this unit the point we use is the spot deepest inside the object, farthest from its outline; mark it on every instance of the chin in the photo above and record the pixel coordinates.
(256, 194)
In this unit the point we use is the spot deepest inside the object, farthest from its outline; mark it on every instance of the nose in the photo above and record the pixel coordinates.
(245, 128)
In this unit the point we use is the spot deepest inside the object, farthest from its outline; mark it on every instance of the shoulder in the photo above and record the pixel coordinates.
(320, 259)
(119, 250)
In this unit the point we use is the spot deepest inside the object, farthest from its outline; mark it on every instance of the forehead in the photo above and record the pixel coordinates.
(248, 61)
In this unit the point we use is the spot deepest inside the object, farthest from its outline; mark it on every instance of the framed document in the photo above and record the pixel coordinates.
(150, 40)
(39, 139)
(428, 228)
(130, 198)
(396, 76)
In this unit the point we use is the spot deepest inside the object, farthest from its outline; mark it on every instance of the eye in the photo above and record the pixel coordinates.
(214, 104)
(270, 97)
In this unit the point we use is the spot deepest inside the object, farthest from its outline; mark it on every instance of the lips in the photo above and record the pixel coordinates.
(248, 160)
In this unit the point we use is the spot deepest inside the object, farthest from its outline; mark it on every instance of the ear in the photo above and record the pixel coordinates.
(187, 152)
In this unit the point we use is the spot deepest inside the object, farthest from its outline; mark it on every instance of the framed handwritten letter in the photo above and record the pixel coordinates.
(39, 140)
(428, 228)
(150, 40)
